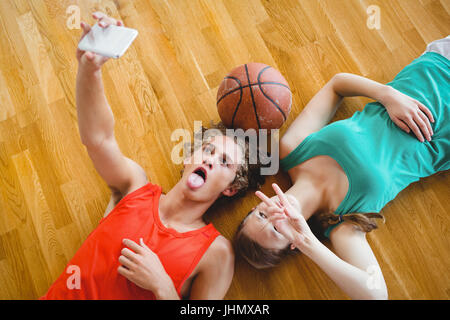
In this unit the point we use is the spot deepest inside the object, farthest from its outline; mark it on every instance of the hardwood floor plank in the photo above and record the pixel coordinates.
(51, 196)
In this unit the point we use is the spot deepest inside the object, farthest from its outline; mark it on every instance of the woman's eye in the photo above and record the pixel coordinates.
(275, 228)
(262, 215)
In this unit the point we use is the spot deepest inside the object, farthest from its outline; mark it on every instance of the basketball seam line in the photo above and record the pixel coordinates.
(248, 85)
(265, 95)
(251, 94)
(239, 102)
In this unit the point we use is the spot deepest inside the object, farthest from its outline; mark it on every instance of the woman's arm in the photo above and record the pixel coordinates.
(355, 268)
(405, 112)
(357, 273)
(322, 107)
(351, 85)
(315, 115)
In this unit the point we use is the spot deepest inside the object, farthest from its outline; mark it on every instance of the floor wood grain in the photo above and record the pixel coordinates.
(51, 197)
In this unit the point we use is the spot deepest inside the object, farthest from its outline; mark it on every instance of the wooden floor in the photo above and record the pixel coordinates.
(51, 196)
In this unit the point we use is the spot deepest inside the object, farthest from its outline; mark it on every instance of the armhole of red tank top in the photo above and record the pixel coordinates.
(134, 193)
(197, 258)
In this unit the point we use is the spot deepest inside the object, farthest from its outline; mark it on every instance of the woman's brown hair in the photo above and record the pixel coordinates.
(255, 254)
(362, 221)
(260, 257)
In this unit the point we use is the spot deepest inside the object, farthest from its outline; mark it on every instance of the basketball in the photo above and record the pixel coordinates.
(254, 95)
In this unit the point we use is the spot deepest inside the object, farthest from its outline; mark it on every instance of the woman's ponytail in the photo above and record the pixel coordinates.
(363, 221)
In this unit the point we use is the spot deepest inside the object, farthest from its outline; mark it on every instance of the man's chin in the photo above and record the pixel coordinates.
(200, 194)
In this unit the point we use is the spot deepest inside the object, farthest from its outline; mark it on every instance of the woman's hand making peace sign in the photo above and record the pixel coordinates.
(288, 220)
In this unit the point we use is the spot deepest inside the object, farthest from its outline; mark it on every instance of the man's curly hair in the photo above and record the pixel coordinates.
(248, 174)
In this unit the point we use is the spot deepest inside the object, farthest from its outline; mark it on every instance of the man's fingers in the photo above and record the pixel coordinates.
(124, 271)
(98, 15)
(90, 55)
(142, 243)
(132, 245)
(129, 254)
(124, 261)
(104, 20)
(86, 28)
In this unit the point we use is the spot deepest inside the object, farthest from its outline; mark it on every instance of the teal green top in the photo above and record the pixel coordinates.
(379, 158)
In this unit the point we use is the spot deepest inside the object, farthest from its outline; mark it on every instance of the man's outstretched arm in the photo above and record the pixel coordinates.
(96, 121)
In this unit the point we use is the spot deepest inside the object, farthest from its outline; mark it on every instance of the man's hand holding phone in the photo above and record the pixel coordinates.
(90, 59)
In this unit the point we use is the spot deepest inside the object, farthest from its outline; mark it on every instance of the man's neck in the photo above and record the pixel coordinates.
(177, 211)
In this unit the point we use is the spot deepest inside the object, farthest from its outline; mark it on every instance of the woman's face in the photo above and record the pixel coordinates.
(258, 228)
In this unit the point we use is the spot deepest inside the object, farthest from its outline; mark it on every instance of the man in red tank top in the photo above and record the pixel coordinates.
(149, 245)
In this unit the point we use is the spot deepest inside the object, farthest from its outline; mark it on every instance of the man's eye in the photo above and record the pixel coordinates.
(208, 150)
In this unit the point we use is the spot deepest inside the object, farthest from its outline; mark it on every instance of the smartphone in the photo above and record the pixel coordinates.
(111, 42)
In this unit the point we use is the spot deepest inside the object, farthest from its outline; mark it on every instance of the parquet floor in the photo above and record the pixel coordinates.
(51, 196)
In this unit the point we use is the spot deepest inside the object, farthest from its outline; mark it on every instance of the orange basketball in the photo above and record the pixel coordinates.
(254, 95)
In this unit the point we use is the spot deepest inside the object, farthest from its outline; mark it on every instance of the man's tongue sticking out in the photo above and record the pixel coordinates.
(195, 181)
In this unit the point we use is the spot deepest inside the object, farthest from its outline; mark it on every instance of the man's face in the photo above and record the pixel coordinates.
(210, 170)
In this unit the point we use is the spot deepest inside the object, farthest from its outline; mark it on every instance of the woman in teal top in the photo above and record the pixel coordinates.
(379, 159)
(345, 172)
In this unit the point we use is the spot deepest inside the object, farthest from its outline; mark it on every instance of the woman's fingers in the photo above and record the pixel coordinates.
(401, 125)
(276, 216)
(427, 123)
(413, 126)
(281, 195)
(423, 126)
(272, 210)
(278, 203)
(426, 111)
(265, 199)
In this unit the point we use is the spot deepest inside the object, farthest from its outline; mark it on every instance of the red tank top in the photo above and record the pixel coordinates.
(135, 216)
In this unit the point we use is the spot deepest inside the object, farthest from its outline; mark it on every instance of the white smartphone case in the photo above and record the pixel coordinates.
(110, 42)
